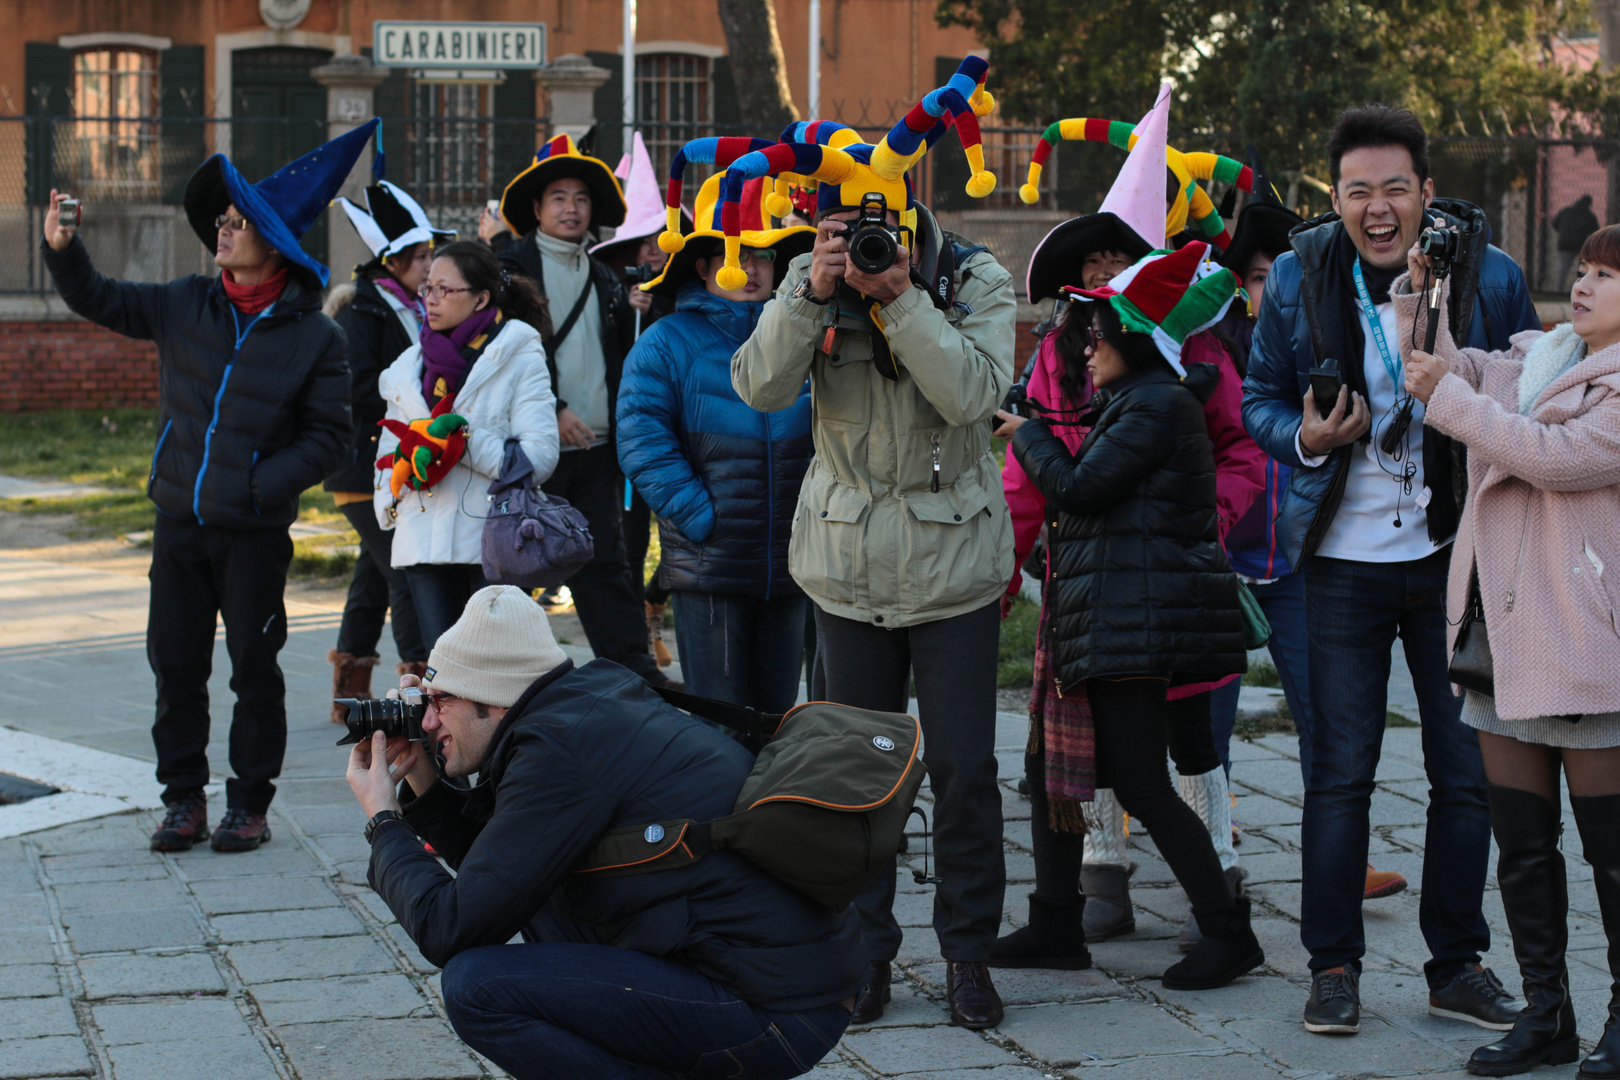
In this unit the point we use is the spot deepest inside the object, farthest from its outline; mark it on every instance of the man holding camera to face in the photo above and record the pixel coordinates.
(711, 966)
(1373, 506)
(902, 537)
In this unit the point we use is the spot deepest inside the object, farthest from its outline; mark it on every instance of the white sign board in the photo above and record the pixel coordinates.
(459, 45)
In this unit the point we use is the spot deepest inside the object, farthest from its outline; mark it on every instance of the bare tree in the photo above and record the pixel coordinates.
(757, 64)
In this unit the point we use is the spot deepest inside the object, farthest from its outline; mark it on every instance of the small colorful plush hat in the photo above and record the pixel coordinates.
(283, 205)
(707, 239)
(559, 159)
(1170, 296)
(1262, 226)
(847, 170)
(644, 204)
(391, 221)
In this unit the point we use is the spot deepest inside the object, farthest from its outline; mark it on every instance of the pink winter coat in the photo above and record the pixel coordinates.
(1542, 521)
(1240, 465)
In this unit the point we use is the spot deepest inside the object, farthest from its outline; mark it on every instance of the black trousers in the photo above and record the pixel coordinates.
(954, 664)
(375, 588)
(198, 573)
(614, 620)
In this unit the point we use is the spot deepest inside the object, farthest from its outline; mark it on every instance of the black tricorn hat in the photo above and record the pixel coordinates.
(1263, 225)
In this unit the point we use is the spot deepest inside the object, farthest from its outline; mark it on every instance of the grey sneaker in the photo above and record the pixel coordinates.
(1334, 1007)
(1478, 997)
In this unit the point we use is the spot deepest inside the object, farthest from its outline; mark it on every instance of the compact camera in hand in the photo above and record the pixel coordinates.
(1441, 245)
(391, 716)
(874, 244)
(67, 213)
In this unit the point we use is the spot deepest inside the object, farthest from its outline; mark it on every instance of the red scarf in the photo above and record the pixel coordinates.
(252, 299)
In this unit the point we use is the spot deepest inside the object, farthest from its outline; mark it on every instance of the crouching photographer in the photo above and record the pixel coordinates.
(713, 968)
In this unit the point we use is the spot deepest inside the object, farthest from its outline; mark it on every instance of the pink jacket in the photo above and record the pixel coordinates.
(1240, 465)
(1542, 521)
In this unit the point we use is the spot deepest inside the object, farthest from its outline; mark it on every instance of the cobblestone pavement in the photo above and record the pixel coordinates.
(116, 962)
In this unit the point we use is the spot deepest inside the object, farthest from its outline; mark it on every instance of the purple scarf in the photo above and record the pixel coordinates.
(412, 304)
(442, 357)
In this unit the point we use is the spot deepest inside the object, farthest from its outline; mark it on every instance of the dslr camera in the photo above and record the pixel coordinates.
(639, 275)
(391, 716)
(874, 244)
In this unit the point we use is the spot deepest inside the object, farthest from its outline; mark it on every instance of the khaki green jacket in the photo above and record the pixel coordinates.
(872, 541)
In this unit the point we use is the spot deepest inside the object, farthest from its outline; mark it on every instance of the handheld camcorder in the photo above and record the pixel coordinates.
(874, 244)
(391, 716)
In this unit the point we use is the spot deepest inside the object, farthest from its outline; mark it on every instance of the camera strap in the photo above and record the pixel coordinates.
(551, 343)
(1391, 365)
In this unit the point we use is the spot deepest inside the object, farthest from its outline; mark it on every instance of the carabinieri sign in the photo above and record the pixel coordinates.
(483, 45)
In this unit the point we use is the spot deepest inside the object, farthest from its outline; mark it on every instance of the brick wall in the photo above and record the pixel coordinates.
(71, 364)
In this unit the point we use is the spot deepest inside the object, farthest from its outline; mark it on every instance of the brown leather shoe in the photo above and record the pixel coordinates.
(873, 996)
(974, 1001)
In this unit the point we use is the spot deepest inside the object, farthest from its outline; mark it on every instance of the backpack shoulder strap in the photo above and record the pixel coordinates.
(755, 726)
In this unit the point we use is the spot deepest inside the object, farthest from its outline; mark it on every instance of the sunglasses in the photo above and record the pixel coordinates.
(438, 292)
(1094, 337)
(235, 223)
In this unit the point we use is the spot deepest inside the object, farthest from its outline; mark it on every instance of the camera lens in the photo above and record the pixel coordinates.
(391, 716)
(873, 250)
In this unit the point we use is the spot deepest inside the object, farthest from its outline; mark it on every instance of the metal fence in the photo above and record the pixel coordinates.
(132, 173)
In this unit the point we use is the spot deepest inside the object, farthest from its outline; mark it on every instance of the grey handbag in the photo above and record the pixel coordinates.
(531, 539)
(1471, 658)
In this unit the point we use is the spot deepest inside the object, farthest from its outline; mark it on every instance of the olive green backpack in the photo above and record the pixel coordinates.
(823, 811)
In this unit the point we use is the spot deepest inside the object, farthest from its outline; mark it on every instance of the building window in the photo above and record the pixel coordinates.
(1007, 153)
(114, 151)
(674, 104)
(452, 151)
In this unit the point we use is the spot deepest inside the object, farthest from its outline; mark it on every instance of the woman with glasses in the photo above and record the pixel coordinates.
(476, 379)
(722, 477)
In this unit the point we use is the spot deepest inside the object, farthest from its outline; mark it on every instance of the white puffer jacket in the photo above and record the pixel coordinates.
(507, 396)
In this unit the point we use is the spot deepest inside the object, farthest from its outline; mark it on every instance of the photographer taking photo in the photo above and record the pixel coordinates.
(902, 537)
(689, 970)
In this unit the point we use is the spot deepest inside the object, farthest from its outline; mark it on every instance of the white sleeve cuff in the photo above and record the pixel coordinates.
(1308, 460)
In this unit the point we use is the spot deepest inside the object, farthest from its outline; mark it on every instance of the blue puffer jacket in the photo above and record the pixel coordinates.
(1489, 305)
(722, 477)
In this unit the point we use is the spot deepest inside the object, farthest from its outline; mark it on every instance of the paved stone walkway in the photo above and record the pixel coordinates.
(116, 962)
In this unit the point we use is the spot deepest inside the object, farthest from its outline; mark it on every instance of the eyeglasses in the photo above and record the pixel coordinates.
(235, 223)
(747, 255)
(437, 702)
(438, 292)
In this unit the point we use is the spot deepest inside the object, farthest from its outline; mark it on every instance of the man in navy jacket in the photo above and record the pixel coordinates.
(1371, 529)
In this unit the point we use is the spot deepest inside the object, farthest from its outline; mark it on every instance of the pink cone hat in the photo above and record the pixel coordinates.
(1137, 197)
(643, 199)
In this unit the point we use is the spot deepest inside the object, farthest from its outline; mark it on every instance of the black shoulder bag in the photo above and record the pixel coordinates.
(1471, 658)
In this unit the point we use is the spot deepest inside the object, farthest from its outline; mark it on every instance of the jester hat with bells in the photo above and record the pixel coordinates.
(391, 222)
(707, 239)
(1169, 296)
(846, 170)
(559, 159)
(1190, 201)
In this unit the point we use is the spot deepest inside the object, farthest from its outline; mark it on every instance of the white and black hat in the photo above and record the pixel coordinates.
(392, 221)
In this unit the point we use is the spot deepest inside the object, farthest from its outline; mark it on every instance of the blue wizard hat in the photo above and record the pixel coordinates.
(282, 206)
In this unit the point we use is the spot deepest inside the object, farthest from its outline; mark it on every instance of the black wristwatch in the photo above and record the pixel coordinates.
(380, 817)
(803, 292)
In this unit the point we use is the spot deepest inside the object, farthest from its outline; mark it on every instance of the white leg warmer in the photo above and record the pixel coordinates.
(1105, 831)
(1210, 797)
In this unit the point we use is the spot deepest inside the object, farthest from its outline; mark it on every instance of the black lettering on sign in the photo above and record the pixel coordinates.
(438, 45)
(522, 41)
(422, 45)
(481, 43)
(506, 45)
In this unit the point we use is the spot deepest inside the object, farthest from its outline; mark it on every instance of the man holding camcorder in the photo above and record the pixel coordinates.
(1372, 509)
(711, 966)
(902, 537)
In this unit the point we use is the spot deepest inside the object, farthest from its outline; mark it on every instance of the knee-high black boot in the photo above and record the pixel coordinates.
(1535, 895)
(1055, 937)
(1598, 818)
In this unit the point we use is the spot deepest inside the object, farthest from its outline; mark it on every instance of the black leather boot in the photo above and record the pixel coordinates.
(1535, 896)
(1598, 818)
(1227, 949)
(1055, 938)
(874, 995)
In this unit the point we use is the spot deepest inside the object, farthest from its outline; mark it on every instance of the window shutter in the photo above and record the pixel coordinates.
(183, 96)
(949, 190)
(48, 79)
(609, 108)
(727, 111)
(515, 140)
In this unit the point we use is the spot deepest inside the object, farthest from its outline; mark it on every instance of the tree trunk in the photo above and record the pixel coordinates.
(757, 65)
(1607, 15)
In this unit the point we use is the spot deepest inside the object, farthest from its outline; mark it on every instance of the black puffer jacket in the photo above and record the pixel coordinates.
(375, 338)
(583, 751)
(1138, 585)
(251, 412)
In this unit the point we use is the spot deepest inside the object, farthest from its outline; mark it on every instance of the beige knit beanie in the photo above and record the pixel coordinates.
(501, 644)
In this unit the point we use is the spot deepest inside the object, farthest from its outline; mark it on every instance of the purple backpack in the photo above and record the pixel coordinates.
(531, 539)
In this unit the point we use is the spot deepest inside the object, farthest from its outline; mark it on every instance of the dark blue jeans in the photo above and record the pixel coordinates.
(1283, 601)
(1356, 612)
(593, 1012)
(440, 592)
(741, 649)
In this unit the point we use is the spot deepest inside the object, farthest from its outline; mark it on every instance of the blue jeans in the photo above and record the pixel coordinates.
(440, 592)
(741, 649)
(1283, 601)
(594, 1012)
(1357, 610)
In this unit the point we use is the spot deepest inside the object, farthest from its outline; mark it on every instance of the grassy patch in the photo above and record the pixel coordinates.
(1015, 662)
(111, 449)
(1264, 674)
(1395, 719)
(115, 513)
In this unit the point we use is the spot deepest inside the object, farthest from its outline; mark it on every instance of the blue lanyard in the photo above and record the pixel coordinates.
(1390, 364)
